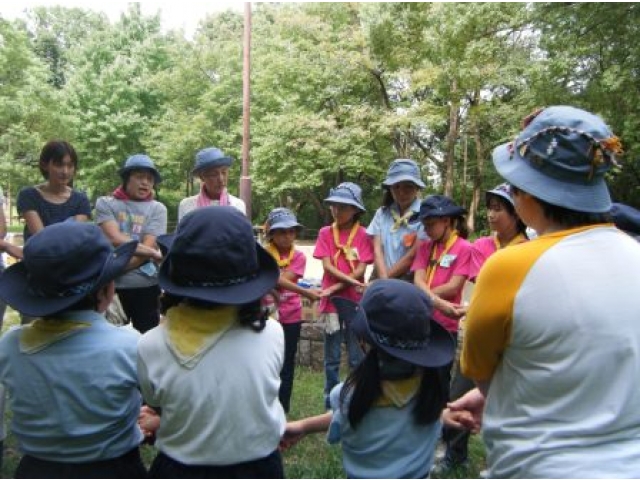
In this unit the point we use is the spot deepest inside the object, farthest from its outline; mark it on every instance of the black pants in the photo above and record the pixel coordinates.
(291, 338)
(141, 305)
(128, 465)
(267, 467)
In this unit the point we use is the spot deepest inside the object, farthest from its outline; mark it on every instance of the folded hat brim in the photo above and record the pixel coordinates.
(219, 162)
(392, 180)
(438, 352)
(501, 194)
(235, 294)
(448, 212)
(345, 201)
(157, 178)
(285, 224)
(582, 197)
(16, 291)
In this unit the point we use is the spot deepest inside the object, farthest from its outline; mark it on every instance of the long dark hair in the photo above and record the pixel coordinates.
(364, 384)
(508, 206)
(55, 151)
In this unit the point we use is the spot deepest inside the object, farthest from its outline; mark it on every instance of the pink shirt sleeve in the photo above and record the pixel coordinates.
(323, 243)
(422, 256)
(298, 264)
(481, 249)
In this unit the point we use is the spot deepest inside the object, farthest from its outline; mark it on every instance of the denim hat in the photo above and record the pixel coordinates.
(139, 162)
(561, 157)
(63, 263)
(403, 170)
(281, 218)
(626, 218)
(503, 191)
(214, 257)
(397, 317)
(439, 206)
(347, 193)
(210, 157)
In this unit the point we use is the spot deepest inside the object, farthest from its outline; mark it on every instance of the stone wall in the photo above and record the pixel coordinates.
(311, 346)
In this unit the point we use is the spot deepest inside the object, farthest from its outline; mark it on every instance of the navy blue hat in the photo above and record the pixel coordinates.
(210, 157)
(626, 218)
(439, 206)
(63, 263)
(282, 218)
(403, 170)
(140, 162)
(214, 257)
(561, 157)
(347, 193)
(503, 191)
(397, 317)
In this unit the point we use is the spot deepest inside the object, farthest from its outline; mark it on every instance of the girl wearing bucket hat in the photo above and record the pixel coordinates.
(395, 228)
(213, 366)
(281, 230)
(386, 414)
(442, 262)
(212, 168)
(560, 342)
(345, 250)
(132, 213)
(71, 375)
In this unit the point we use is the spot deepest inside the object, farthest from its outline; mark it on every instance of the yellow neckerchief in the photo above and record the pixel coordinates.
(275, 253)
(344, 249)
(43, 332)
(192, 331)
(433, 263)
(398, 393)
(519, 238)
(399, 221)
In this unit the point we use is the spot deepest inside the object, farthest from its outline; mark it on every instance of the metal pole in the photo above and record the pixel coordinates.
(245, 179)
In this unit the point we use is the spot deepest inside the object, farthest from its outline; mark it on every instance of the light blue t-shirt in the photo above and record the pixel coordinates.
(387, 443)
(74, 399)
(393, 241)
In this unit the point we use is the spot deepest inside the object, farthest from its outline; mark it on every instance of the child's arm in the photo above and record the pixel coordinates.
(13, 250)
(451, 288)
(148, 421)
(340, 276)
(287, 281)
(446, 307)
(378, 255)
(403, 265)
(298, 429)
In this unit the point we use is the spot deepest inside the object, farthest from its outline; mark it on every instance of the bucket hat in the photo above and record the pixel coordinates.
(210, 157)
(282, 218)
(561, 157)
(503, 191)
(347, 193)
(397, 317)
(138, 162)
(626, 218)
(214, 257)
(439, 206)
(62, 264)
(403, 170)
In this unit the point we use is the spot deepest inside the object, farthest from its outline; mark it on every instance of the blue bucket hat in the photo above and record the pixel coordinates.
(63, 263)
(210, 157)
(561, 157)
(213, 256)
(403, 170)
(347, 193)
(282, 218)
(626, 218)
(503, 191)
(397, 317)
(140, 162)
(439, 206)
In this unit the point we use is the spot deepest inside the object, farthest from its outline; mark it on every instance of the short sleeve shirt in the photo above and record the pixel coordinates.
(290, 307)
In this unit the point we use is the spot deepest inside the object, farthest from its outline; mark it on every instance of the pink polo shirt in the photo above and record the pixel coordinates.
(481, 249)
(290, 307)
(326, 247)
(460, 264)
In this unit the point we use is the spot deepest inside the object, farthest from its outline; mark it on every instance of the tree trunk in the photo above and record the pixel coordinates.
(452, 136)
(479, 170)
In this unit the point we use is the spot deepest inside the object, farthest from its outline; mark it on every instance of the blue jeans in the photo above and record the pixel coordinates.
(332, 353)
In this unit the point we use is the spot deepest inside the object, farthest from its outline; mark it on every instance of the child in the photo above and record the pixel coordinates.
(70, 374)
(281, 230)
(345, 250)
(387, 412)
(442, 263)
(213, 366)
(55, 200)
(132, 213)
(395, 233)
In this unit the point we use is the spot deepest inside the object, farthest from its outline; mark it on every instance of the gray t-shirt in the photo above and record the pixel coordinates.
(135, 219)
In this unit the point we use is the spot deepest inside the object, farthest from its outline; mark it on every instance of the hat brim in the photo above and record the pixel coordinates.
(582, 197)
(157, 178)
(15, 289)
(285, 224)
(452, 212)
(438, 352)
(388, 182)
(236, 294)
(345, 201)
(501, 194)
(219, 162)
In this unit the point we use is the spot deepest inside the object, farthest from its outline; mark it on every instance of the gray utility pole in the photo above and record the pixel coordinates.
(245, 178)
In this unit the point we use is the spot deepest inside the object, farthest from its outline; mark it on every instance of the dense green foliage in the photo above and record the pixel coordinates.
(338, 91)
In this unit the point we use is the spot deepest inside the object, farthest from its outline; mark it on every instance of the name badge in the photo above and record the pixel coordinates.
(447, 260)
